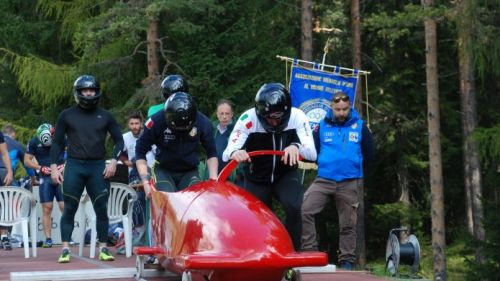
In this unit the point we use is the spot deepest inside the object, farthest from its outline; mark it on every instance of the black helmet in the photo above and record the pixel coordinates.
(173, 84)
(273, 102)
(180, 112)
(86, 82)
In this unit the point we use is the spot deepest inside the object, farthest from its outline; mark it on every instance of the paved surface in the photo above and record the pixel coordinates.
(14, 261)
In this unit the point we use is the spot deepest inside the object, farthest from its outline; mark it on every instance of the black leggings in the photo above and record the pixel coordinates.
(80, 174)
(288, 191)
(170, 181)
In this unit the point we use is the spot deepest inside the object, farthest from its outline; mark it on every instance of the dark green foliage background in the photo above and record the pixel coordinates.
(227, 49)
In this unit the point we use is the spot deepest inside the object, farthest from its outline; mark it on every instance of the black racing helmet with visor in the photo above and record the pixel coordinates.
(87, 82)
(172, 84)
(180, 112)
(273, 106)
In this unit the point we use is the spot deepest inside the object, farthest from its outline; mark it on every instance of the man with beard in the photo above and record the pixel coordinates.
(135, 125)
(344, 144)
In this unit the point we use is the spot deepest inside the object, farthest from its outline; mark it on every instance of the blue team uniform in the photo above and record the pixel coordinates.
(16, 154)
(47, 189)
(179, 153)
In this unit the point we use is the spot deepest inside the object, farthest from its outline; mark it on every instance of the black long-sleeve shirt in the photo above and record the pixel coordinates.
(86, 131)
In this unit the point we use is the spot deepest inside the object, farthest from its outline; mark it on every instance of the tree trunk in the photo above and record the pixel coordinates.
(152, 38)
(472, 173)
(402, 174)
(468, 196)
(356, 63)
(356, 51)
(360, 228)
(306, 27)
(466, 81)
(436, 170)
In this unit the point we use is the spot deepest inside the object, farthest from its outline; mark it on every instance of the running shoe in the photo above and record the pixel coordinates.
(152, 260)
(65, 256)
(104, 255)
(345, 265)
(6, 243)
(47, 243)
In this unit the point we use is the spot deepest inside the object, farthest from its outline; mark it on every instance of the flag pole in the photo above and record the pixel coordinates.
(333, 67)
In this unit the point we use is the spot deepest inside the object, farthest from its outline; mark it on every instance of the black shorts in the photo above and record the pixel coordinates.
(48, 191)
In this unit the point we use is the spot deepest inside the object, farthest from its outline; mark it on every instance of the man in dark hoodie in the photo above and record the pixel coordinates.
(344, 144)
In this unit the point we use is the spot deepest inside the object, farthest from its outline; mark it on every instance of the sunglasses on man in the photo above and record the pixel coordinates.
(340, 98)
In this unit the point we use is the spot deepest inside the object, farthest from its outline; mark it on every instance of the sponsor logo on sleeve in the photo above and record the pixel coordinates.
(236, 136)
(249, 125)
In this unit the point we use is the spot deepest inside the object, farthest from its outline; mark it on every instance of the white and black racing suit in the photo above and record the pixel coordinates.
(248, 134)
(267, 176)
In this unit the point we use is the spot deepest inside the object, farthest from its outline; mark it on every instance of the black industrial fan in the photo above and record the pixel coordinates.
(407, 252)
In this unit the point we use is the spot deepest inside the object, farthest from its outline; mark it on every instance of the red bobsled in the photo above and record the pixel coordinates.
(217, 231)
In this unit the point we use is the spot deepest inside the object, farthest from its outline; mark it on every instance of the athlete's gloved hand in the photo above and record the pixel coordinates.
(45, 170)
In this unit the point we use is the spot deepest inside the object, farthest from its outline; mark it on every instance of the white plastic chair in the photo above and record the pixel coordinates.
(17, 205)
(119, 194)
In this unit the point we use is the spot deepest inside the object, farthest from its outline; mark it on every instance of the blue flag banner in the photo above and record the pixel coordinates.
(312, 90)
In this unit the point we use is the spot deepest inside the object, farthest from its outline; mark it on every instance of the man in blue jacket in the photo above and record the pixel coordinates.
(6, 176)
(16, 153)
(344, 144)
